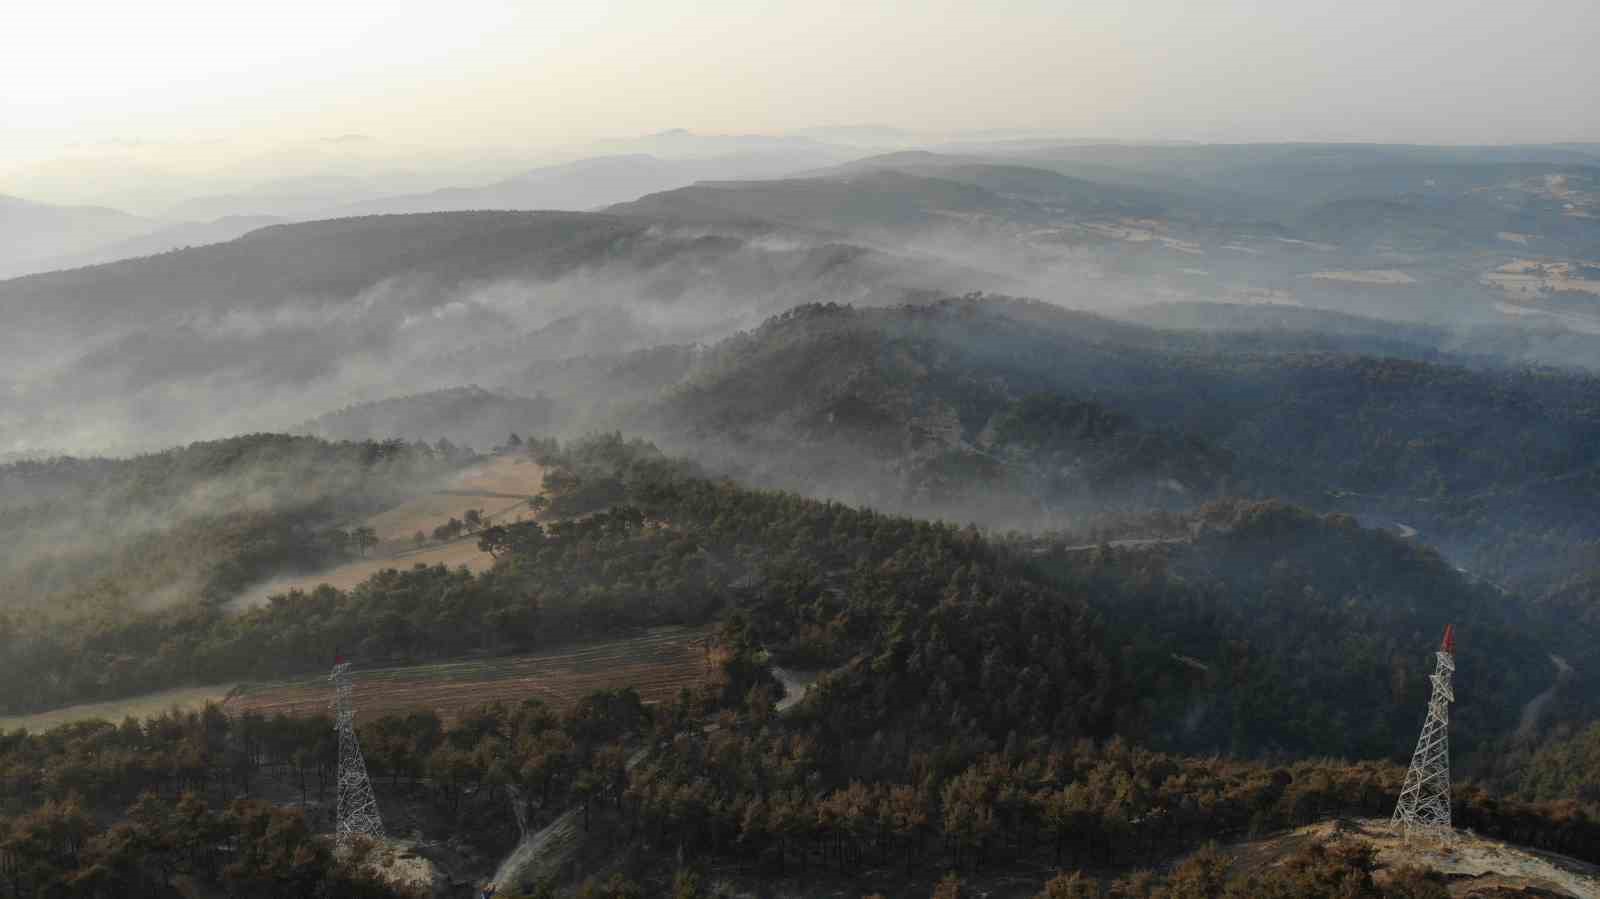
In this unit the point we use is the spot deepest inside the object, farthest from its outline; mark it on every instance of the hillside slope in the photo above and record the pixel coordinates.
(1473, 866)
(1479, 459)
(294, 320)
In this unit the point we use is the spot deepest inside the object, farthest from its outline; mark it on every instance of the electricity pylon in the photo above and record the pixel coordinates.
(358, 807)
(1424, 806)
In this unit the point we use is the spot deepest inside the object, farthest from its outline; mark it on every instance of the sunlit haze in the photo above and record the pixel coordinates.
(87, 72)
(1028, 449)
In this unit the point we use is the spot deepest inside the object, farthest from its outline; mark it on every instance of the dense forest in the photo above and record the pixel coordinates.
(898, 583)
(925, 409)
(983, 699)
(743, 796)
(1184, 643)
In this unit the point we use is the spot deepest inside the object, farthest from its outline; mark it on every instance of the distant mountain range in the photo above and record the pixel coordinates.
(1485, 255)
(591, 183)
(41, 237)
(164, 240)
(33, 233)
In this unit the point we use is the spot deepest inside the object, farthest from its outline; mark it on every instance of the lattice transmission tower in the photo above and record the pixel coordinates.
(1424, 807)
(358, 807)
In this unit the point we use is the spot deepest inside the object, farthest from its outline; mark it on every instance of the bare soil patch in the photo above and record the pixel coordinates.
(1474, 864)
(658, 664)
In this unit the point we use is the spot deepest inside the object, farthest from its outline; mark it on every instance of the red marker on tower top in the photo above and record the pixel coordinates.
(1449, 644)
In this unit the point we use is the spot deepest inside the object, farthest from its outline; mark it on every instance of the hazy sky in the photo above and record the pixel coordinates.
(483, 72)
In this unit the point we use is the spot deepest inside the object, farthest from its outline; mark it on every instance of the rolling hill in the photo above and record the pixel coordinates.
(163, 240)
(1410, 233)
(588, 183)
(309, 317)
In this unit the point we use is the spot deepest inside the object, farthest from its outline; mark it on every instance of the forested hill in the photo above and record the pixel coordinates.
(929, 628)
(96, 555)
(334, 258)
(1482, 345)
(1274, 626)
(977, 679)
(841, 402)
(329, 262)
(293, 321)
(471, 415)
(1495, 465)
(870, 202)
(1270, 629)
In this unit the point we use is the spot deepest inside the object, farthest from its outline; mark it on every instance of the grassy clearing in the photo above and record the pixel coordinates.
(397, 527)
(499, 487)
(463, 551)
(146, 706)
(658, 664)
(504, 475)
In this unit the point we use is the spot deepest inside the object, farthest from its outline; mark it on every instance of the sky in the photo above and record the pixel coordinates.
(192, 77)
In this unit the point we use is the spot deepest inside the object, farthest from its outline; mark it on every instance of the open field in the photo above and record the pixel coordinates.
(146, 706)
(396, 527)
(658, 664)
(505, 475)
(499, 488)
(461, 551)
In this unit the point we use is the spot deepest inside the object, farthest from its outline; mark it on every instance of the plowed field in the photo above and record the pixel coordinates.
(657, 664)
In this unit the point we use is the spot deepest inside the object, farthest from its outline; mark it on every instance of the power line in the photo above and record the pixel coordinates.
(357, 806)
(1424, 806)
